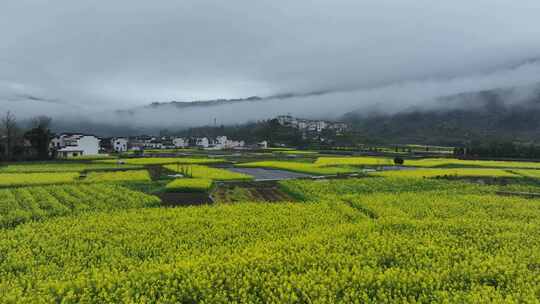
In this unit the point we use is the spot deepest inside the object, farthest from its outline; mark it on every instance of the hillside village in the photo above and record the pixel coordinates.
(308, 126)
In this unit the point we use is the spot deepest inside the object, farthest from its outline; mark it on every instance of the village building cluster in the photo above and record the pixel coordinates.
(167, 142)
(75, 145)
(311, 126)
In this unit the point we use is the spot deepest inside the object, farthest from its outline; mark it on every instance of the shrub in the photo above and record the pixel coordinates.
(399, 161)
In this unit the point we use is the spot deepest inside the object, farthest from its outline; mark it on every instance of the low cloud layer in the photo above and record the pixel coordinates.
(388, 99)
(85, 58)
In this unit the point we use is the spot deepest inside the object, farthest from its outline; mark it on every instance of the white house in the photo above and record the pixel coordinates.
(120, 144)
(74, 145)
(180, 142)
(203, 142)
(154, 144)
(221, 142)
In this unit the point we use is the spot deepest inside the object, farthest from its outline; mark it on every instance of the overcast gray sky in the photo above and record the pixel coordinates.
(81, 56)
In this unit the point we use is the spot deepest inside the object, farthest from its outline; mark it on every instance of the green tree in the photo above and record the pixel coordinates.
(40, 136)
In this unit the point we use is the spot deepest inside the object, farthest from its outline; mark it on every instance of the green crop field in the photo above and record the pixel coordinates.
(528, 173)
(25, 179)
(446, 162)
(189, 185)
(461, 172)
(198, 171)
(118, 176)
(162, 151)
(163, 160)
(21, 205)
(354, 161)
(295, 152)
(308, 190)
(300, 167)
(66, 166)
(426, 162)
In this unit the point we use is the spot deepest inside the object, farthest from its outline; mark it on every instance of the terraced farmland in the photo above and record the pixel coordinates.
(403, 236)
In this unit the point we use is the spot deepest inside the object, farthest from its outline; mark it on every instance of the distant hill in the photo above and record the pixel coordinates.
(502, 114)
(156, 105)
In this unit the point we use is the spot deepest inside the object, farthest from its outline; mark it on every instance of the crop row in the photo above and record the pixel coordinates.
(19, 205)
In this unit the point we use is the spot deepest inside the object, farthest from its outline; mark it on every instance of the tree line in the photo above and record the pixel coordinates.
(498, 149)
(18, 143)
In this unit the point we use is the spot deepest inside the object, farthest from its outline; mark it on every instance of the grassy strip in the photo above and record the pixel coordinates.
(26, 179)
(189, 185)
(462, 172)
(64, 166)
(119, 176)
(166, 160)
(308, 168)
(198, 171)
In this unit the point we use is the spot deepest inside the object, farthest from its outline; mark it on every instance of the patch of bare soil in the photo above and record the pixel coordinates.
(174, 199)
(250, 191)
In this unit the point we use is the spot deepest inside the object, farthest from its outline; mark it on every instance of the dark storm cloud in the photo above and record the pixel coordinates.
(92, 56)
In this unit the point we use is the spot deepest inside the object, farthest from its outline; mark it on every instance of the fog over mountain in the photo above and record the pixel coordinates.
(105, 62)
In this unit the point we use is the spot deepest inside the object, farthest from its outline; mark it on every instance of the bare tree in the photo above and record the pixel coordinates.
(8, 127)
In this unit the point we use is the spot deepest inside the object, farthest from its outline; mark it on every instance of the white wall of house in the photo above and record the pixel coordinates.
(179, 142)
(67, 153)
(203, 142)
(89, 144)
